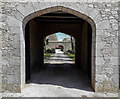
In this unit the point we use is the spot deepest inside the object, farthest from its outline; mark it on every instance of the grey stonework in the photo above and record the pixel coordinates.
(53, 43)
(66, 45)
(103, 18)
(119, 41)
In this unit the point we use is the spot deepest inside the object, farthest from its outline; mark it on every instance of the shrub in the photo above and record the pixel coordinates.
(71, 55)
(69, 52)
(46, 55)
(50, 50)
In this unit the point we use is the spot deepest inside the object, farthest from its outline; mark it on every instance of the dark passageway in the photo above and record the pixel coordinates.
(61, 71)
(76, 75)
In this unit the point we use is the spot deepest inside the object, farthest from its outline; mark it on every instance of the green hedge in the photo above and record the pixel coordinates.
(46, 55)
(72, 56)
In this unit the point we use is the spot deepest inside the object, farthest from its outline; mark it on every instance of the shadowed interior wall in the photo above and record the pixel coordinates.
(84, 47)
(36, 46)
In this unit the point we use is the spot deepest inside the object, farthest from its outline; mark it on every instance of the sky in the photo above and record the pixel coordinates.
(61, 36)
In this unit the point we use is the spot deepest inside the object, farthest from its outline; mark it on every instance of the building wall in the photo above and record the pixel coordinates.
(105, 57)
(66, 45)
(119, 41)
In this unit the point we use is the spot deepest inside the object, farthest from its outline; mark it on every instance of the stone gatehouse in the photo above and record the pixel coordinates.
(96, 26)
(53, 42)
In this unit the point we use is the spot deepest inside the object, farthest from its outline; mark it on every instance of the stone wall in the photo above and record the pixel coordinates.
(1, 47)
(11, 51)
(119, 41)
(66, 45)
(105, 72)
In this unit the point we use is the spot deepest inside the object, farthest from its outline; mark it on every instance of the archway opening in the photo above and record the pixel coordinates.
(56, 44)
(40, 27)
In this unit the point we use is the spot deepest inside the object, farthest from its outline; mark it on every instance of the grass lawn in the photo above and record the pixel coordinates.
(72, 56)
(47, 55)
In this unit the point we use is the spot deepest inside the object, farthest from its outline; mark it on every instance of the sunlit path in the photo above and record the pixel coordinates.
(59, 58)
(60, 77)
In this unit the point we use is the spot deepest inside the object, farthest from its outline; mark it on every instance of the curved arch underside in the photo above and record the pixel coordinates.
(59, 8)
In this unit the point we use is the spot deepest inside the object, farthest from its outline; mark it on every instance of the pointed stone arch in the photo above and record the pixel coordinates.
(76, 13)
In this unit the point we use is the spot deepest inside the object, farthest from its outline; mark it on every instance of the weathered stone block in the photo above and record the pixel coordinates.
(17, 15)
(100, 61)
(104, 24)
(14, 61)
(25, 9)
(13, 79)
(11, 21)
(11, 88)
(114, 61)
(38, 6)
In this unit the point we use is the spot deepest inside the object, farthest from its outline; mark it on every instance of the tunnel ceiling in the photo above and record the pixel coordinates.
(59, 17)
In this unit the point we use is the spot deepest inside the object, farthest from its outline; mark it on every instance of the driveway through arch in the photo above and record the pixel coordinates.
(87, 24)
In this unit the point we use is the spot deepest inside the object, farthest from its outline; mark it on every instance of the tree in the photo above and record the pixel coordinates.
(72, 45)
(65, 39)
(46, 42)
